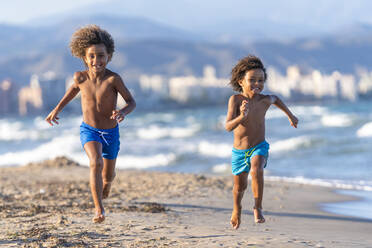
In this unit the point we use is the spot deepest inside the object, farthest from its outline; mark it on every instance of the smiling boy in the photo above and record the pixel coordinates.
(99, 87)
(246, 117)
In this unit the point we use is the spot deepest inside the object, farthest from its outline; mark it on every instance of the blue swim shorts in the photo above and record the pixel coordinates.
(241, 159)
(109, 138)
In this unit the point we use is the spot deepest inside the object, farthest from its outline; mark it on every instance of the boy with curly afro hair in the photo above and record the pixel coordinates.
(246, 117)
(99, 87)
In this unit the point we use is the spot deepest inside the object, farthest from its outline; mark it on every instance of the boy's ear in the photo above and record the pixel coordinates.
(84, 60)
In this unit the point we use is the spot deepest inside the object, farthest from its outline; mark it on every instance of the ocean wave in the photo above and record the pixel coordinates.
(17, 131)
(215, 150)
(365, 130)
(274, 113)
(333, 183)
(156, 132)
(337, 120)
(34, 129)
(64, 145)
(149, 118)
(131, 161)
(144, 162)
(221, 168)
(292, 144)
(309, 110)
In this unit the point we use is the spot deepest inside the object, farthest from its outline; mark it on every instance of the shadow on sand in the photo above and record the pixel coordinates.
(269, 213)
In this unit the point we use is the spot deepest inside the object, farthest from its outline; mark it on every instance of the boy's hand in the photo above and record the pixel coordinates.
(244, 110)
(117, 115)
(293, 120)
(52, 117)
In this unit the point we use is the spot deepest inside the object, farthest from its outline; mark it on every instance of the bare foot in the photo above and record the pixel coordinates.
(106, 190)
(258, 216)
(235, 218)
(99, 217)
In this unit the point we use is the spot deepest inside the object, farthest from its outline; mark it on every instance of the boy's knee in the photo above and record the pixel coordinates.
(96, 164)
(256, 170)
(239, 188)
(108, 177)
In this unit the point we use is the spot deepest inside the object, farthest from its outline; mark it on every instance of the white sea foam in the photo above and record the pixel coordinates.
(17, 131)
(215, 150)
(290, 144)
(365, 130)
(154, 117)
(132, 162)
(144, 162)
(221, 168)
(273, 113)
(36, 129)
(40, 123)
(309, 110)
(340, 184)
(64, 145)
(337, 120)
(156, 132)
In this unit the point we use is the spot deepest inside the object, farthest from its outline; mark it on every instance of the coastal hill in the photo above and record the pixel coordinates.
(144, 46)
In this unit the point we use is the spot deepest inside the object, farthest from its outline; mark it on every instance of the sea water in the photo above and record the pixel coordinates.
(331, 146)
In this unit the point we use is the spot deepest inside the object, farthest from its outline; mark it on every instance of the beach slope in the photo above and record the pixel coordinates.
(49, 205)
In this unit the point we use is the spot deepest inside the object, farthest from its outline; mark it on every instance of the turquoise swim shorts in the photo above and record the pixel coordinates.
(109, 138)
(241, 159)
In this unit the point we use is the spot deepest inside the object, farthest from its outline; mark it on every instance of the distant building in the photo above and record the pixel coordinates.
(29, 98)
(365, 84)
(8, 97)
(43, 93)
(187, 89)
(313, 86)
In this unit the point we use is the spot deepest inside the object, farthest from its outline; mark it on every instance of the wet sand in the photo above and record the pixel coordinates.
(49, 205)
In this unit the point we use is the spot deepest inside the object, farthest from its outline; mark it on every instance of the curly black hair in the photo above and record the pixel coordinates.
(90, 35)
(240, 69)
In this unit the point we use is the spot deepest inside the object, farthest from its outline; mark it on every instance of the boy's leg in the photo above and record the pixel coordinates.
(94, 151)
(240, 185)
(108, 175)
(257, 173)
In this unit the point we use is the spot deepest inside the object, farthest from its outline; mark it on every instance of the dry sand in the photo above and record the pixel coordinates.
(49, 205)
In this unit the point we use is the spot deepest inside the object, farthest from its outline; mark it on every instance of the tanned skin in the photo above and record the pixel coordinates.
(246, 118)
(99, 88)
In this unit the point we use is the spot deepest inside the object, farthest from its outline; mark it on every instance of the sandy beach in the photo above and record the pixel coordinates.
(49, 205)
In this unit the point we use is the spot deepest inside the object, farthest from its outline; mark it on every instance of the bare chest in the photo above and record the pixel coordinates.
(97, 92)
(256, 110)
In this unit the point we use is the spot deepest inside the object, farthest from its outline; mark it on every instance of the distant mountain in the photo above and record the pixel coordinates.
(240, 21)
(21, 40)
(124, 28)
(143, 46)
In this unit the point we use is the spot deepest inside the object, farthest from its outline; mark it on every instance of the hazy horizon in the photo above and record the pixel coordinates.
(268, 19)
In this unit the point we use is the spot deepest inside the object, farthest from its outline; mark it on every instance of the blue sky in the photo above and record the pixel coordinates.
(320, 16)
(20, 11)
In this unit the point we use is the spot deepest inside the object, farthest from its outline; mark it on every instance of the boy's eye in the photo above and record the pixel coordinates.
(251, 80)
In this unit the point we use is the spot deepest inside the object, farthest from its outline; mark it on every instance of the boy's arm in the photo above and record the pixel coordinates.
(69, 95)
(233, 119)
(119, 115)
(278, 103)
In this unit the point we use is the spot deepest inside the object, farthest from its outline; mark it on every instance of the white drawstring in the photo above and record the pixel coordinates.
(101, 133)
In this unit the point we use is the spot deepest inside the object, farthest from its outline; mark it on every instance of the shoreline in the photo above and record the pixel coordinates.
(50, 204)
(358, 206)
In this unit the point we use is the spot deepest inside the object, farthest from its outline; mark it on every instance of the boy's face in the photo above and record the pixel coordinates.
(253, 82)
(96, 57)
